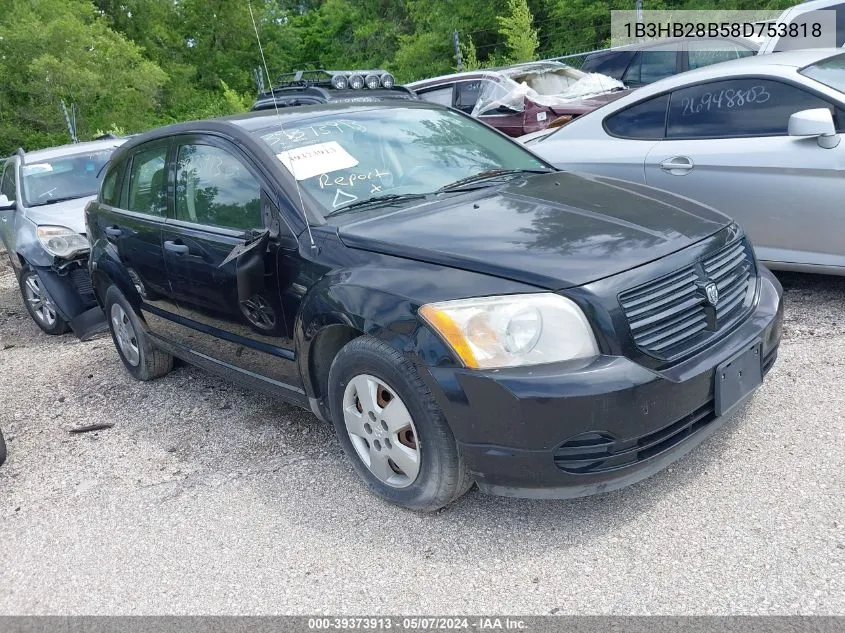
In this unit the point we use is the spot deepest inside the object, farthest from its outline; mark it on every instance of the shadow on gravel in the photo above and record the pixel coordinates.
(816, 284)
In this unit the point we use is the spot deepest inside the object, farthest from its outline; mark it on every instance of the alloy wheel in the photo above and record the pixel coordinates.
(39, 300)
(124, 334)
(381, 430)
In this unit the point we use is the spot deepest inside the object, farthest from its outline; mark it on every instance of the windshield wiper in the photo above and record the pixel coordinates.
(385, 199)
(488, 175)
(55, 200)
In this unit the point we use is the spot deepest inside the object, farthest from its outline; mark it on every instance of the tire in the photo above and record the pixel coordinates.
(40, 304)
(366, 377)
(2, 449)
(143, 360)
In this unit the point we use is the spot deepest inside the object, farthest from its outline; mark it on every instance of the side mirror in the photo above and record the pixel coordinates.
(5, 203)
(817, 122)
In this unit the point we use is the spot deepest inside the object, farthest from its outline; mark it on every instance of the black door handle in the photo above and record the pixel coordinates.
(173, 247)
(113, 231)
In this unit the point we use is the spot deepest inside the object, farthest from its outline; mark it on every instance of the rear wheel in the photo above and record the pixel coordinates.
(141, 358)
(391, 428)
(40, 304)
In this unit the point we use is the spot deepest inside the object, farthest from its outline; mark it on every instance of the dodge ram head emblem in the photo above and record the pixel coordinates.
(712, 292)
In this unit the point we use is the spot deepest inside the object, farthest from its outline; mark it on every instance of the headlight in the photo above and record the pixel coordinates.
(61, 241)
(513, 330)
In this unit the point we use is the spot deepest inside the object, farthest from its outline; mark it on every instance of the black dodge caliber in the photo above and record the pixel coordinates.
(459, 310)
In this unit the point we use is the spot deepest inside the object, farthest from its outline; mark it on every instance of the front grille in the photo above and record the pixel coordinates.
(599, 452)
(82, 282)
(672, 314)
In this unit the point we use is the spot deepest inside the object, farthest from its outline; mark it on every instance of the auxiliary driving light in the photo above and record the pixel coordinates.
(340, 82)
(356, 82)
(373, 82)
(387, 80)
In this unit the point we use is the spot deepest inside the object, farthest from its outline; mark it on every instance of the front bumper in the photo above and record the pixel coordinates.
(584, 427)
(69, 286)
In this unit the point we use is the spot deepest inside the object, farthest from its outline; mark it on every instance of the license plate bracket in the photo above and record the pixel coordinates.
(736, 378)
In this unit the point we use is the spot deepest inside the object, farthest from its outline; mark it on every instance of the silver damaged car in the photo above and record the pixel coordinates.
(42, 224)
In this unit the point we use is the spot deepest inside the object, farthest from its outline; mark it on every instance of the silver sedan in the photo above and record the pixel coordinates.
(756, 138)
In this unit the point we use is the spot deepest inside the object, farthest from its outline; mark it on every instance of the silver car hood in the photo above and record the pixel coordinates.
(70, 213)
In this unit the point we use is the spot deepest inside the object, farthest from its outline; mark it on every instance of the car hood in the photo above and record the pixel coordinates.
(553, 230)
(70, 213)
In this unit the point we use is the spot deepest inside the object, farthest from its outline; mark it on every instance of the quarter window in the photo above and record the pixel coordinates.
(216, 189)
(644, 121)
(148, 182)
(442, 96)
(739, 107)
(109, 194)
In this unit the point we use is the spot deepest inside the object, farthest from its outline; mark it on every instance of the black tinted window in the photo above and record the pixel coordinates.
(110, 192)
(613, 65)
(646, 120)
(467, 95)
(740, 107)
(215, 188)
(148, 182)
(650, 65)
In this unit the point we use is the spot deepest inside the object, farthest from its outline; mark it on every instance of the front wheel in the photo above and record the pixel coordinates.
(139, 355)
(391, 428)
(40, 304)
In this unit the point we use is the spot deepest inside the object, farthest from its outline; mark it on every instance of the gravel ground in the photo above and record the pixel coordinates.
(208, 499)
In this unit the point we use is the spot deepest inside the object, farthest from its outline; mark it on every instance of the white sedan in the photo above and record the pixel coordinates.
(756, 138)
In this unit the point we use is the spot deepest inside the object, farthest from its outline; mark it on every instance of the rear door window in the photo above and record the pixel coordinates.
(737, 108)
(652, 64)
(467, 93)
(612, 64)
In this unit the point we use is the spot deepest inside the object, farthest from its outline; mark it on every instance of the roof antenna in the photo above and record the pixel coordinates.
(281, 126)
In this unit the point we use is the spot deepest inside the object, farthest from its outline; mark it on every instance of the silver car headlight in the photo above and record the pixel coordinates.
(61, 241)
(512, 330)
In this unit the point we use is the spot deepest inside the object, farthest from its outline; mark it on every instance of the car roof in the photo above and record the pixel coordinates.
(751, 45)
(253, 121)
(772, 64)
(480, 72)
(72, 149)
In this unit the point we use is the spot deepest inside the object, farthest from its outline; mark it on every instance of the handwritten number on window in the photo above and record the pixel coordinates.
(728, 99)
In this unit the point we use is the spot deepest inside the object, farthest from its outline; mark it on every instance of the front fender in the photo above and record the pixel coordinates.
(362, 301)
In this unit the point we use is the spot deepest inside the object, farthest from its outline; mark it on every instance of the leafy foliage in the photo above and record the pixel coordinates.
(132, 64)
(517, 29)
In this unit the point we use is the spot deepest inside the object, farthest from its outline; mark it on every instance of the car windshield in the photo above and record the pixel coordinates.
(62, 178)
(346, 158)
(830, 72)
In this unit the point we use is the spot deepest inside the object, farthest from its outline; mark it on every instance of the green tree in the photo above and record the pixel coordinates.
(518, 30)
(55, 50)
